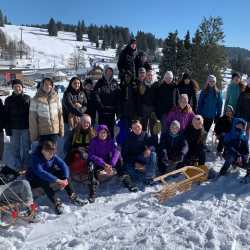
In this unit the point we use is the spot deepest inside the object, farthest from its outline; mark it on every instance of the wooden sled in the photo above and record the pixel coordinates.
(192, 175)
(9, 213)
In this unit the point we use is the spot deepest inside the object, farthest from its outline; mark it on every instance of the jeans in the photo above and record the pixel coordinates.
(20, 146)
(16, 191)
(67, 140)
(150, 169)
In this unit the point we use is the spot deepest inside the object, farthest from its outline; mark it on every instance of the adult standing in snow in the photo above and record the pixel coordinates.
(233, 91)
(107, 96)
(74, 105)
(210, 103)
(17, 125)
(141, 61)
(2, 119)
(91, 107)
(166, 96)
(190, 87)
(45, 115)
(243, 106)
(126, 61)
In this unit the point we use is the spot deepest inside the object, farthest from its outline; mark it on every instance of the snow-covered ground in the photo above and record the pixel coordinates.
(54, 52)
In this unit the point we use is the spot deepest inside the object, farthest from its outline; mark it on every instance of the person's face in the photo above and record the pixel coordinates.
(236, 79)
(89, 87)
(142, 76)
(18, 89)
(133, 46)
(168, 79)
(137, 128)
(149, 76)
(197, 123)
(47, 86)
(211, 82)
(239, 126)
(187, 81)
(48, 154)
(76, 84)
(103, 134)
(229, 114)
(174, 129)
(85, 124)
(183, 102)
(127, 78)
(109, 73)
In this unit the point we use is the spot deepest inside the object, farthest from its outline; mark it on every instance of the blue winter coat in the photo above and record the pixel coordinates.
(210, 104)
(43, 169)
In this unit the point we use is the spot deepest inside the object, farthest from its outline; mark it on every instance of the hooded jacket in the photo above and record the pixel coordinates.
(232, 94)
(243, 105)
(101, 152)
(45, 115)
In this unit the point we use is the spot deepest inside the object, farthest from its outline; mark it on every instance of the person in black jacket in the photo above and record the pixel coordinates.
(140, 160)
(17, 125)
(74, 103)
(2, 119)
(141, 61)
(126, 59)
(222, 126)
(166, 96)
(195, 136)
(173, 147)
(189, 87)
(107, 97)
(91, 107)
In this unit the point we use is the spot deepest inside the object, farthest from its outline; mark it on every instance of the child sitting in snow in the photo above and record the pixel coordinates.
(236, 146)
(195, 136)
(222, 126)
(140, 161)
(173, 147)
(48, 169)
(103, 155)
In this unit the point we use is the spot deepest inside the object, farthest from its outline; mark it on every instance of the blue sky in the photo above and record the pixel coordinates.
(156, 16)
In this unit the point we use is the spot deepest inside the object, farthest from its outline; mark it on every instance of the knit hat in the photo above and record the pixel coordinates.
(236, 74)
(142, 70)
(212, 78)
(229, 108)
(186, 76)
(88, 81)
(176, 124)
(132, 40)
(16, 81)
(169, 73)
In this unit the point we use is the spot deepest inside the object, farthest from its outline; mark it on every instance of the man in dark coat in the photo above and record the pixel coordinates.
(141, 61)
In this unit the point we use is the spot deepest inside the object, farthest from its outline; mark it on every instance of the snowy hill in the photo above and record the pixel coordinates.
(49, 52)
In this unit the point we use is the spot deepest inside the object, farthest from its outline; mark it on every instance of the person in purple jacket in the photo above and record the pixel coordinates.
(103, 155)
(183, 113)
(47, 168)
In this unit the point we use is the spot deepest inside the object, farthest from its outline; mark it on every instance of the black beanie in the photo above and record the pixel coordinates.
(16, 81)
(186, 76)
(236, 74)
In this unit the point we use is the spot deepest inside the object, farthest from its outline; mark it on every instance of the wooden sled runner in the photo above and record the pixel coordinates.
(192, 175)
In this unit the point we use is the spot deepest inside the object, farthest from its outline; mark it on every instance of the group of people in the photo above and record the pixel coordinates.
(135, 129)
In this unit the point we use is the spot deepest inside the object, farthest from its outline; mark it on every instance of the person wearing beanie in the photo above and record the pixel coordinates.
(126, 61)
(210, 103)
(107, 96)
(243, 106)
(183, 113)
(234, 89)
(173, 147)
(17, 125)
(190, 87)
(195, 136)
(45, 114)
(223, 125)
(166, 96)
(236, 149)
(141, 61)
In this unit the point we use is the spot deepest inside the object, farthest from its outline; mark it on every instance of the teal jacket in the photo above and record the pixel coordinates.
(232, 95)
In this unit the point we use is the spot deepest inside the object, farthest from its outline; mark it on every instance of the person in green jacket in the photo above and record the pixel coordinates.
(233, 91)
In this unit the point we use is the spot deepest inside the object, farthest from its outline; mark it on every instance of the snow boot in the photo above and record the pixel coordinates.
(92, 193)
(77, 201)
(126, 179)
(59, 207)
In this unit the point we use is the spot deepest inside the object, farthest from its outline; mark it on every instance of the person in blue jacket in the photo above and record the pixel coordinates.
(236, 146)
(47, 168)
(210, 103)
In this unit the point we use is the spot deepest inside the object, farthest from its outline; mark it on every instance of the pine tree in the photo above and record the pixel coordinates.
(79, 32)
(83, 27)
(52, 28)
(6, 20)
(1, 19)
(104, 45)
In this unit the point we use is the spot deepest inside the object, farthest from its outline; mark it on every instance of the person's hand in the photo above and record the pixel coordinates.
(108, 169)
(139, 167)
(78, 105)
(62, 183)
(147, 153)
